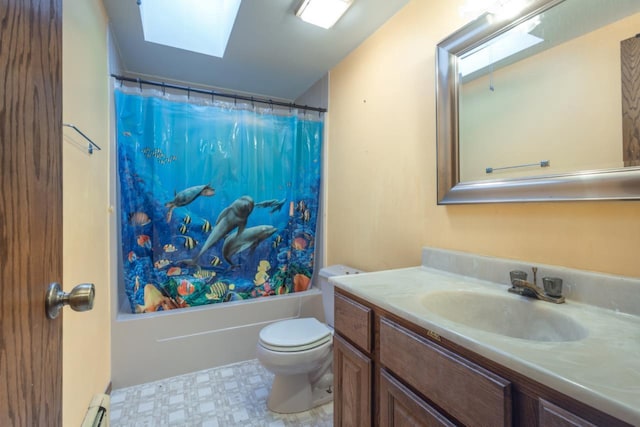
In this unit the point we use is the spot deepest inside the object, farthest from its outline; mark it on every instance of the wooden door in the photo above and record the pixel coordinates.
(30, 210)
(630, 64)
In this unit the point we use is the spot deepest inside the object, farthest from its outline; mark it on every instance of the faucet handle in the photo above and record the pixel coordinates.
(517, 275)
(552, 286)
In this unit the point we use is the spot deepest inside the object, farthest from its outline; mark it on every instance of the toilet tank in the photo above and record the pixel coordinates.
(327, 288)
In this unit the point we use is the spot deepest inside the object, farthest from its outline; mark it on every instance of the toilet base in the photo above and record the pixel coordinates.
(293, 393)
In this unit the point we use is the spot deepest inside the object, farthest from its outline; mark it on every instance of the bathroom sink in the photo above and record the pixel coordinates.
(507, 315)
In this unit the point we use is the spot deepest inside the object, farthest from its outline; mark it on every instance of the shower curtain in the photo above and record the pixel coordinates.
(218, 201)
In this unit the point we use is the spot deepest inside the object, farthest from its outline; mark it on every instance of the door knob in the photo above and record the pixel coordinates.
(79, 299)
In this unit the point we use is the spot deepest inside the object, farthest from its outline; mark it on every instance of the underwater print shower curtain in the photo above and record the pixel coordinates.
(217, 202)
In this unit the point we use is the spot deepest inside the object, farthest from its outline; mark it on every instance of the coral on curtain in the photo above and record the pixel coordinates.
(218, 202)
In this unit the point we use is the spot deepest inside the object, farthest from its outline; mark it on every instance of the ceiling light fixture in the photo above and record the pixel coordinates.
(322, 13)
(503, 9)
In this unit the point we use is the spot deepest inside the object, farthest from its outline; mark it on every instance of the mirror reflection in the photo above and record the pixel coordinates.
(556, 93)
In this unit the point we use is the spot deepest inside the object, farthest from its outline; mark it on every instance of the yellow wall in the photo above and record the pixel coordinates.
(381, 165)
(86, 336)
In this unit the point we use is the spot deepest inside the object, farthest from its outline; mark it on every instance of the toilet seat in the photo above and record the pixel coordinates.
(295, 335)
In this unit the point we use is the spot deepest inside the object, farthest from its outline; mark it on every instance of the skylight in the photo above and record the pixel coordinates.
(201, 26)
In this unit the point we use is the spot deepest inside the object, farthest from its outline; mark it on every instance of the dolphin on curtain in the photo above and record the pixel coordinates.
(274, 204)
(234, 215)
(187, 196)
(249, 238)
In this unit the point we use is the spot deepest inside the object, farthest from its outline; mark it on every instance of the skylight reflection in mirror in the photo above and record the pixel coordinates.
(513, 41)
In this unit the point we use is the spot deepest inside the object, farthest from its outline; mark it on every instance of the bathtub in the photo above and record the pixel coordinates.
(152, 346)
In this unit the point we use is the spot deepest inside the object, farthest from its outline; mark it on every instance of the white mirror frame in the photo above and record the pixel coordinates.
(605, 184)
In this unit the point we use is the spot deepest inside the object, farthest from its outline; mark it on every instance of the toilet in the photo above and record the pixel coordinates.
(299, 353)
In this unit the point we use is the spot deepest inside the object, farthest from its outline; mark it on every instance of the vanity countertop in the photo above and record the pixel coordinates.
(601, 370)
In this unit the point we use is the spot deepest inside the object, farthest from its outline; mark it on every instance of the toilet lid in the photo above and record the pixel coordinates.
(295, 335)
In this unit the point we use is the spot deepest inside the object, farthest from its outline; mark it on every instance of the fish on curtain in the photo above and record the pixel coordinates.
(218, 202)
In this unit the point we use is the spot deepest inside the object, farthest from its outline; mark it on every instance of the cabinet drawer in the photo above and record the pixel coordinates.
(353, 321)
(399, 406)
(466, 391)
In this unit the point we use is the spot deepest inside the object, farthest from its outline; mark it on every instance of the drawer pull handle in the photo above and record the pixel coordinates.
(433, 335)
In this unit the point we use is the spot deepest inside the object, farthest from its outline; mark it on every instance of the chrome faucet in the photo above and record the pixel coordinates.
(552, 291)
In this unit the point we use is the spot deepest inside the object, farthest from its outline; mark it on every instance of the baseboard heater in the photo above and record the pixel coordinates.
(98, 412)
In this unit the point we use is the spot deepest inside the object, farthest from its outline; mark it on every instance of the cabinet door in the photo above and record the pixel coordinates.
(554, 416)
(400, 407)
(352, 385)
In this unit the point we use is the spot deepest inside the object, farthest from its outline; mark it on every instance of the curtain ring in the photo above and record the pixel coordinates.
(164, 89)
(271, 104)
(212, 96)
(252, 104)
(188, 92)
(140, 84)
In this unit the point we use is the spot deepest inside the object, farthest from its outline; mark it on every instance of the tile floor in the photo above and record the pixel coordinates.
(232, 395)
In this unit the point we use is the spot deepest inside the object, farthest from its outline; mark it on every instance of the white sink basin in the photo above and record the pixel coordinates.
(507, 315)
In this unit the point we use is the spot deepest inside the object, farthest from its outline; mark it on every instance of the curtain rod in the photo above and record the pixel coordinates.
(220, 94)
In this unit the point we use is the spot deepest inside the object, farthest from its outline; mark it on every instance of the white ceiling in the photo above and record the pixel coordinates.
(271, 52)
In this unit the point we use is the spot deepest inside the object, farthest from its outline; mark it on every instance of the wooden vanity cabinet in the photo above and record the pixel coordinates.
(391, 372)
(352, 363)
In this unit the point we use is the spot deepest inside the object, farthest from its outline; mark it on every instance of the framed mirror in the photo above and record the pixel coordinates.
(541, 105)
